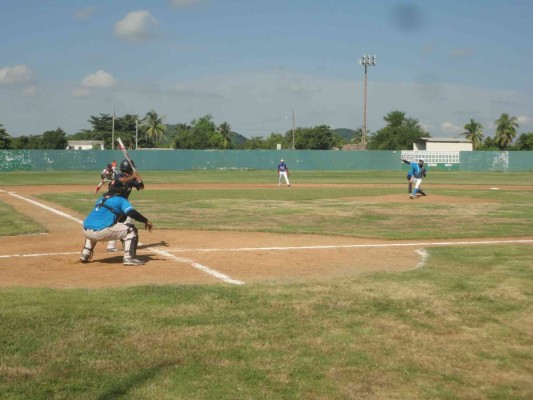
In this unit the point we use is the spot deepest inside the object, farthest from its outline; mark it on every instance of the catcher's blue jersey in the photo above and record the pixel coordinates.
(102, 217)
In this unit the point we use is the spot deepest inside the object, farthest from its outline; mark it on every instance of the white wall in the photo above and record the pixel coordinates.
(442, 146)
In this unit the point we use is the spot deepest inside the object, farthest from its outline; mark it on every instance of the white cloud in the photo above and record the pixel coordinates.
(30, 91)
(450, 127)
(80, 92)
(136, 26)
(522, 119)
(100, 79)
(18, 73)
(84, 13)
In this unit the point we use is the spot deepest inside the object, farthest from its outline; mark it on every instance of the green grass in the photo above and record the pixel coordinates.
(13, 223)
(458, 328)
(343, 211)
(268, 177)
(438, 332)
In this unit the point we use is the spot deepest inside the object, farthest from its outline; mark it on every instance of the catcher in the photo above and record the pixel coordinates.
(102, 224)
(106, 176)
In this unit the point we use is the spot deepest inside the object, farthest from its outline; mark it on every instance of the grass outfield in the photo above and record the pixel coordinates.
(265, 177)
(458, 328)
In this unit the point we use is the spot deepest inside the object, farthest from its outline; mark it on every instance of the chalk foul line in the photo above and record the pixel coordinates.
(194, 264)
(352, 246)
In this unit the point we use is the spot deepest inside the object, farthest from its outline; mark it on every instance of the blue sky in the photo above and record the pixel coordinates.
(252, 62)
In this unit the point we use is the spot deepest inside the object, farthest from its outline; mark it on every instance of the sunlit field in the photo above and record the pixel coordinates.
(459, 327)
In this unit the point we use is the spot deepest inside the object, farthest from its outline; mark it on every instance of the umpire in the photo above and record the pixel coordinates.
(101, 225)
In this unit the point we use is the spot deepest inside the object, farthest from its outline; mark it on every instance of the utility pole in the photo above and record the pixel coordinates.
(113, 131)
(136, 130)
(293, 130)
(366, 60)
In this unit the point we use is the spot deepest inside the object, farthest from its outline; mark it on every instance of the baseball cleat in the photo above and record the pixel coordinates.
(132, 261)
(111, 249)
(85, 258)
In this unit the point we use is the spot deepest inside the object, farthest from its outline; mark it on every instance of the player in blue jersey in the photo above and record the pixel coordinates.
(417, 172)
(126, 180)
(102, 224)
(283, 172)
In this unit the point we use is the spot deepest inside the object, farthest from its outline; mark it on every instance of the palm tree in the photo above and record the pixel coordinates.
(474, 132)
(506, 127)
(155, 128)
(225, 129)
(5, 140)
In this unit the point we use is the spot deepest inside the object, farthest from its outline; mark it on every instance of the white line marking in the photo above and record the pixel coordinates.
(423, 258)
(353, 246)
(39, 254)
(166, 254)
(46, 207)
(200, 267)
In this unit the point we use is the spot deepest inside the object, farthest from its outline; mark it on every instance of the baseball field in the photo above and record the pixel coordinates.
(339, 287)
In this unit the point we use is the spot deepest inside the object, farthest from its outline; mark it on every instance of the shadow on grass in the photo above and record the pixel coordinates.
(123, 386)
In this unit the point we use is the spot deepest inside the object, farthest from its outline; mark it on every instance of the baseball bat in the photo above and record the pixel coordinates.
(125, 152)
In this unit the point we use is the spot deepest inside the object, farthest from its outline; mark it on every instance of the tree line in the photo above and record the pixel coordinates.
(399, 133)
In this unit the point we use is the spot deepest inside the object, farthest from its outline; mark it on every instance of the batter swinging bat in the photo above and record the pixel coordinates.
(125, 152)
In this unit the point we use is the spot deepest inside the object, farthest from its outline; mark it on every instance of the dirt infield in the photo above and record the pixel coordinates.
(187, 257)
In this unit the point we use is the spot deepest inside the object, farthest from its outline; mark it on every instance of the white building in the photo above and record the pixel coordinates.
(443, 144)
(85, 145)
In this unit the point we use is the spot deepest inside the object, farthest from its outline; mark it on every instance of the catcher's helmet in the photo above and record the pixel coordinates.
(126, 167)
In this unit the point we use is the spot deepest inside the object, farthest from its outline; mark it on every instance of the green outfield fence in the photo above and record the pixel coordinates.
(311, 160)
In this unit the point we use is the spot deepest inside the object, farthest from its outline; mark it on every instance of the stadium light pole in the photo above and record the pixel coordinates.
(367, 61)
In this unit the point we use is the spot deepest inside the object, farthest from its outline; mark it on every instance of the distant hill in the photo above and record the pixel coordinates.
(237, 139)
(346, 134)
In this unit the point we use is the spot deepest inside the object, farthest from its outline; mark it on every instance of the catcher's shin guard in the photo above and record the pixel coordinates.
(87, 252)
(130, 242)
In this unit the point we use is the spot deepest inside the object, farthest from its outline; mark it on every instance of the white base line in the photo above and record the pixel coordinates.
(200, 267)
(163, 253)
(355, 246)
(67, 253)
(46, 207)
